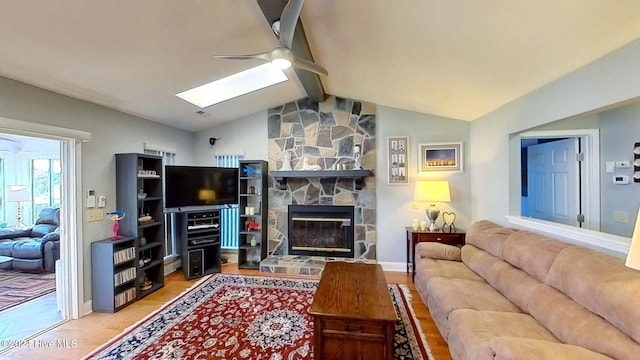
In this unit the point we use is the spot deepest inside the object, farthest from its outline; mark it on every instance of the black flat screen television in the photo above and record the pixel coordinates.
(189, 187)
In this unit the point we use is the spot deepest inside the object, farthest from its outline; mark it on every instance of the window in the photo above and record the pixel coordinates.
(45, 185)
(228, 216)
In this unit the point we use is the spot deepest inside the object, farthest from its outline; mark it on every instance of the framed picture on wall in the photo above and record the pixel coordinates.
(397, 160)
(440, 157)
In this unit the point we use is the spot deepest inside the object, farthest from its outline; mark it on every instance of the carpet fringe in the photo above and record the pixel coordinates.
(407, 294)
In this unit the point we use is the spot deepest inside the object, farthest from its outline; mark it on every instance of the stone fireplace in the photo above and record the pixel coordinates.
(322, 135)
(317, 230)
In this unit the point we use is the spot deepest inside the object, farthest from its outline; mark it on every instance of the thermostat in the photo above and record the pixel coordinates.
(621, 179)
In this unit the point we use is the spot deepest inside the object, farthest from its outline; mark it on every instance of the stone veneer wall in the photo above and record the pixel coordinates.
(325, 133)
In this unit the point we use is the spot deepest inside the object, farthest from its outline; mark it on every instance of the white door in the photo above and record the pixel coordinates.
(553, 175)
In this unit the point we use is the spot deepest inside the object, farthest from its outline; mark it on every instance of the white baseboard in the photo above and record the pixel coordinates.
(87, 308)
(393, 266)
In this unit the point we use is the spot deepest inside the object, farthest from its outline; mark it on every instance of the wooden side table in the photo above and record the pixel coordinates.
(453, 237)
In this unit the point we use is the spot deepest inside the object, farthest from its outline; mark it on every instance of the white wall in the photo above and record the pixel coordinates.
(394, 208)
(619, 130)
(112, 132)
(245, 136)
(606, 82)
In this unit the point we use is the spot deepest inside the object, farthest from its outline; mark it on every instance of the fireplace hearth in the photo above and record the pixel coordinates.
(321, 230)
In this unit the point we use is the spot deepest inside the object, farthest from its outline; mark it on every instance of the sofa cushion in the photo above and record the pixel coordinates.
(488, 236)
(14, 233)
(28, 265)
(478, 260)
(573, 324)
(27, 249)
(49, 216)
(442, 296)
(600, 283)
(513, 283)
(40, 230)
(471, 331)
(6, 247)
(429, 268)
(453, 294)
(523, 246)
(517, 348)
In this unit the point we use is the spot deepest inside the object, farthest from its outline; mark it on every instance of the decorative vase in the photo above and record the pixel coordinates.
(286, 161)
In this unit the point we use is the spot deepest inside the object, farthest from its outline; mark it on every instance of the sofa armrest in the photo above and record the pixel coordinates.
(436, 250)
(508, 348)
(52, 236)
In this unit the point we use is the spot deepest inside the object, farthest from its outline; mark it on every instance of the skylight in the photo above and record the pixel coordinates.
(234, 85)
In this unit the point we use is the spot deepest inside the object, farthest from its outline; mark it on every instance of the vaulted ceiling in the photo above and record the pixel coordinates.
(458, 59)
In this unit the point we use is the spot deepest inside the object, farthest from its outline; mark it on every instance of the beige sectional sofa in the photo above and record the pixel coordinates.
(510, 294)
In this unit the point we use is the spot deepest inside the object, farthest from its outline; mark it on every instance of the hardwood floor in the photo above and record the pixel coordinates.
(42, 313)
(76, 338)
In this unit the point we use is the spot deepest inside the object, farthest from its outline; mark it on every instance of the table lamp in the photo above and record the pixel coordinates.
(432, 191)
(18, 194)
(633, 257)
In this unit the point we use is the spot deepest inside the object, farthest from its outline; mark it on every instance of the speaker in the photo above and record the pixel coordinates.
(195, 263)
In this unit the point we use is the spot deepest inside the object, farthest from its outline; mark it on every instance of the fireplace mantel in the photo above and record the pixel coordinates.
(306, 174)
(320, 174)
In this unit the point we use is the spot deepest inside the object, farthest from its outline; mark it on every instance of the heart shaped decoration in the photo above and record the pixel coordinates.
(448, 218)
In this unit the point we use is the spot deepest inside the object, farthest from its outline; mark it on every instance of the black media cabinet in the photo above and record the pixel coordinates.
(199, 242)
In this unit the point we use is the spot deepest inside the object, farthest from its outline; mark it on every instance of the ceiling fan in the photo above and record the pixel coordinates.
(282, 56)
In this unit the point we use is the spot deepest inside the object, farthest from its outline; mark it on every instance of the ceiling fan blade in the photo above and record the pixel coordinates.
(288, 21)
(263, 56)
(309, 66)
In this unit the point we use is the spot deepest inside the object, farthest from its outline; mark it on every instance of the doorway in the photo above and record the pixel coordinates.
(559, 177)
(552, 188)
(70, 270)
(33, 165)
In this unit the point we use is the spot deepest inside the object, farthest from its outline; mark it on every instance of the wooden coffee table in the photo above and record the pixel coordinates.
(354, 316)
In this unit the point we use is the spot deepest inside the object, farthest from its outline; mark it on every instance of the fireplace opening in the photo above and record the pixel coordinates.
(319, 230)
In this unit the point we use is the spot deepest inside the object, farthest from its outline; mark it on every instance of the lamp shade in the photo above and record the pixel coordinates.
(18, 193)
(432, 191)
(633, 257)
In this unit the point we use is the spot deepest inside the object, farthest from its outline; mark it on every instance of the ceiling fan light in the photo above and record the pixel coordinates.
(281, 64)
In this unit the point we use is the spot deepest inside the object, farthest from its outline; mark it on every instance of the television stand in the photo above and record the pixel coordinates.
(199, 242)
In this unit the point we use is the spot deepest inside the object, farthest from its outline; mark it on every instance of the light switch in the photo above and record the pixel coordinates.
(95, 215)
(621, 216)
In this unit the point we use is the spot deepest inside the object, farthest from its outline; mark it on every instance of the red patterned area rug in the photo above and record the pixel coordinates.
(244, 317)
(18, 287)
